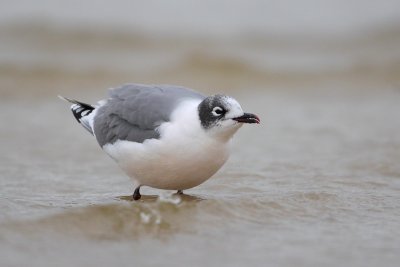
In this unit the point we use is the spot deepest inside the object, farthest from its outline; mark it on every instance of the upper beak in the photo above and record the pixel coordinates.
(248, 118)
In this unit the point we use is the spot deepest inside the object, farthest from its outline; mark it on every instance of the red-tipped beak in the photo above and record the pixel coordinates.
(248, 118)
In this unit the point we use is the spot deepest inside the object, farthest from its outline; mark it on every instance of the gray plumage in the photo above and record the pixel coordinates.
(134, 111)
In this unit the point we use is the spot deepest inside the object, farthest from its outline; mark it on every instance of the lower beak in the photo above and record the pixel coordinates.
(248, 118)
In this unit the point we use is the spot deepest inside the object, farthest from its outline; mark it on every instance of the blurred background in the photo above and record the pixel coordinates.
(316, 184)
(59, 46)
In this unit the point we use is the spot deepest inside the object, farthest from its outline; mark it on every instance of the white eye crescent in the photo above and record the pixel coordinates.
(217, 111)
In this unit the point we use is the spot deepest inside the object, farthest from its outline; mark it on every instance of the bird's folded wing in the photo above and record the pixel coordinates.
(134, 111)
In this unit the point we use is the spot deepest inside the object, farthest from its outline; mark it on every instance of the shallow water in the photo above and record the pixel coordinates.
(317, 183)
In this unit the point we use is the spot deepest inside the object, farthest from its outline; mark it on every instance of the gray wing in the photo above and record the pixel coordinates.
(134, 111)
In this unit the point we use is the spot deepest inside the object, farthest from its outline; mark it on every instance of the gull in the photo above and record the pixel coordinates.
(163, 136)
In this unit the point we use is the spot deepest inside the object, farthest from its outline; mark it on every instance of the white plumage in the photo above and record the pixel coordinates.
(163, 136)
(185, 155)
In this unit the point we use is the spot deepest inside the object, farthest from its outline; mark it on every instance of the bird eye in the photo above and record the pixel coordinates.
(217, 111)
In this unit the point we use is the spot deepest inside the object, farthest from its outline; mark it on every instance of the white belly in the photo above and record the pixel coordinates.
(175, 166)
(185, 155)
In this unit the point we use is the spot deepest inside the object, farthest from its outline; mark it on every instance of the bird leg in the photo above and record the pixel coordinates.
(180, 192)
(136, 194)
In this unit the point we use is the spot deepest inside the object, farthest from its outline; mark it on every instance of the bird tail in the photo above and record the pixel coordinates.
(81, 111)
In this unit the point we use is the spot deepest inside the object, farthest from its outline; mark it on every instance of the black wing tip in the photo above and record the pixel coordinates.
(73, 101)
(82, 110)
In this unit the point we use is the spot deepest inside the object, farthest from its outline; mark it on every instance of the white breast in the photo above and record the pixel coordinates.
(184, 156)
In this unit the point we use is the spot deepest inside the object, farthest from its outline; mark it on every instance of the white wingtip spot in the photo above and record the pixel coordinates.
(85, 113)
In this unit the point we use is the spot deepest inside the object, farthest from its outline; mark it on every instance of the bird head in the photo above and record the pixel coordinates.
(222, 116)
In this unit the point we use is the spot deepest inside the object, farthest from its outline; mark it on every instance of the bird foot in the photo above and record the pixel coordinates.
(180, 192)
(136, 194)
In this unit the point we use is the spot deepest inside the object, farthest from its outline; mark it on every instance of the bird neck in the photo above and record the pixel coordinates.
(224, 135)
